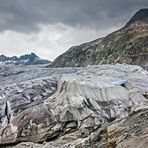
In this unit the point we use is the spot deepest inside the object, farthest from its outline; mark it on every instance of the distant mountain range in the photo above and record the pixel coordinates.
(27, 59)
(126, 45)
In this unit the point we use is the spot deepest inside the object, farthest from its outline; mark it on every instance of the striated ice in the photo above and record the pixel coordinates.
(39, 103)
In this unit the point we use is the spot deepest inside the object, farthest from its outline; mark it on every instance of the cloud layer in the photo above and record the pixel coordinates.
(57, 24)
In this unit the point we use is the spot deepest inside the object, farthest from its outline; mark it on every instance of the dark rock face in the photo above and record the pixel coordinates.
(141, 15)
(28, 59)
(127, 45)
(3, 58)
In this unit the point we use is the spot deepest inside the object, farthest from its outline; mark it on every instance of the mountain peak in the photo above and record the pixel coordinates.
(141, 15)
(27, 59)
(31, 56)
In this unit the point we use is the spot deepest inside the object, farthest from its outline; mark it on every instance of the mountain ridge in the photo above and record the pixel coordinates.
(27, 59)
(126, 45)
(141, 15)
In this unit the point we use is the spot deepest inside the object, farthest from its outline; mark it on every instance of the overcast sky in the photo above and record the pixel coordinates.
(50, 27)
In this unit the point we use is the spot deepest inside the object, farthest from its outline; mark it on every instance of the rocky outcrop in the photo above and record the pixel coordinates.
(126, 45)
(129, 132)
(78, 113)
(141, 15)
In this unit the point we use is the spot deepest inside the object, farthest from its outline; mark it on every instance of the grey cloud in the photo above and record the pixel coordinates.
(28, 15)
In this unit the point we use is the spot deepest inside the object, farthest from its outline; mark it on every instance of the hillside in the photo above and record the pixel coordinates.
(126, 45)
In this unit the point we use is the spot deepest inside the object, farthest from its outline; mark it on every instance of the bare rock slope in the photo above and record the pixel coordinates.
(126, 45)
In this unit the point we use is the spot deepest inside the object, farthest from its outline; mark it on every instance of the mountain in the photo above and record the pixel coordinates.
(126, 45)
(27, 59)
